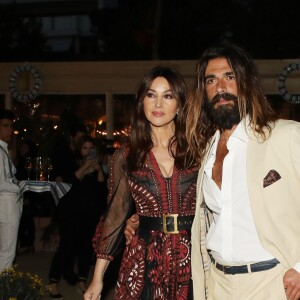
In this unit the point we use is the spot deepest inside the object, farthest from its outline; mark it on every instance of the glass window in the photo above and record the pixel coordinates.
(48, 118)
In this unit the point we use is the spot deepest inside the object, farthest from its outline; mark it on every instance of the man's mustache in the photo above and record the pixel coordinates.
(225, 96)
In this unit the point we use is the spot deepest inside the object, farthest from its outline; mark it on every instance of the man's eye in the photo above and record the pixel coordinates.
(231, 77)
(209, 81)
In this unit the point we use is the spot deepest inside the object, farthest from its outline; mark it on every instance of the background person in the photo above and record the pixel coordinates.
(151, 170)
(64, 155)
(79, 213)
(10, 204)
(26, 235)
(64, 166)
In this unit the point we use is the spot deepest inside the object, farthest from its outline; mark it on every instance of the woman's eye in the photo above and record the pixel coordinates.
(150, 95)
(169, 96)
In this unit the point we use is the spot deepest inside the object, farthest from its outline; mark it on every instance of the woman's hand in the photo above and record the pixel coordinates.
(94, 290)
(90, 166)
(87, 167)
(131, 225)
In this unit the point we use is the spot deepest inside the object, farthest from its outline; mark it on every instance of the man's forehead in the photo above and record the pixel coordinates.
(218, 65)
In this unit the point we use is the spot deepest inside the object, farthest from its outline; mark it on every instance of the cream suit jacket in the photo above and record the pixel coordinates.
(275, 207)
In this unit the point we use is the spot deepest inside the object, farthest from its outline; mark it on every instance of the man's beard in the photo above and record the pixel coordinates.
(224, 116)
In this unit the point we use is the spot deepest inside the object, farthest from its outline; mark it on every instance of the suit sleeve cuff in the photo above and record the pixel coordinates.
(297, 267)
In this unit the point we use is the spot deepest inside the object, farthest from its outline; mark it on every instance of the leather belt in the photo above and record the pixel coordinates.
(167, 223)
(257, 267)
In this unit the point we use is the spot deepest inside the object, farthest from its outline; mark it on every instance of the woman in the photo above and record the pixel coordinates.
(79, 213)
(152, 171)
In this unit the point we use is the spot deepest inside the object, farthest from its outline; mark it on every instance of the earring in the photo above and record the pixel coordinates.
(177, 112)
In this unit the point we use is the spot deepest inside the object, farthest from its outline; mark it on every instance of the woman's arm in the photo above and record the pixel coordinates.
(109, 235)
(98, 168)
(109, 231)
(95, 288)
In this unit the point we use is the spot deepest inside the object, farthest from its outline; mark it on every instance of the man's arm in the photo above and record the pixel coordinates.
(291, 279)
(6, 183)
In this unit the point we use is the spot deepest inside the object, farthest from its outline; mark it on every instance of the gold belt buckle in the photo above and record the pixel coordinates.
(175, 224)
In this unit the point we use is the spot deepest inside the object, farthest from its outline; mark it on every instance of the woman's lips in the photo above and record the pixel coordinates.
(157, 113)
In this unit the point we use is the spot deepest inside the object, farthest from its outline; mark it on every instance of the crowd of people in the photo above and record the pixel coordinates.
(79, 162)
(205, 192)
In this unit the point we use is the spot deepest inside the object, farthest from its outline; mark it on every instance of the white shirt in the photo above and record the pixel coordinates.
(232, 237)
(7, 172)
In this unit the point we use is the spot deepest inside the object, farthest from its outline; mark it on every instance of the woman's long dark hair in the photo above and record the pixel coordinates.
(140, 135)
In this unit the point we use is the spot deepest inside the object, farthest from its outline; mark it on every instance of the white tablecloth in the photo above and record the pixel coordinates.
(57, 189)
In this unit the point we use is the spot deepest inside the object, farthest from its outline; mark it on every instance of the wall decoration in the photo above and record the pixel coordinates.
(281, 84)
(33, 82)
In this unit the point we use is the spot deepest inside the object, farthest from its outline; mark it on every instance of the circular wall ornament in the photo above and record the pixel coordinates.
(281, 84)
(34, 79)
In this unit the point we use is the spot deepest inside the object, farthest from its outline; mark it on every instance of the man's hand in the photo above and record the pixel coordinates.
(131, 225)
(291, 282)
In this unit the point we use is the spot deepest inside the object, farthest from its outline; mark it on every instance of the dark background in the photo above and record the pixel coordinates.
(155, 29)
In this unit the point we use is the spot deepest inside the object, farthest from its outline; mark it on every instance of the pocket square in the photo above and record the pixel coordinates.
(271, 177)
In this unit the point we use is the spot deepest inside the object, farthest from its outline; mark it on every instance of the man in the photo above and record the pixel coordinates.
(10, 205)
(64, 167)
(64, 157)
(246, 231)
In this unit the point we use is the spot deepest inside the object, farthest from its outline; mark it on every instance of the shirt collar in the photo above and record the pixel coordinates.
(3, 144)
(241, 131)
(215, 143)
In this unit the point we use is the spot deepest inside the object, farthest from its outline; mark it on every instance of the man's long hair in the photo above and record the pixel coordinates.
(251, 99)
(140, 134)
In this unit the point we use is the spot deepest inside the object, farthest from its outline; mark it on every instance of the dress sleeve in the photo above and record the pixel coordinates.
(110, 229)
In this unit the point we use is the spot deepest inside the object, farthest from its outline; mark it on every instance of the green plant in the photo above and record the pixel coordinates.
(15, 285)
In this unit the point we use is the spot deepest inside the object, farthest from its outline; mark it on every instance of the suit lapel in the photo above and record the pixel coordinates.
(255, 163)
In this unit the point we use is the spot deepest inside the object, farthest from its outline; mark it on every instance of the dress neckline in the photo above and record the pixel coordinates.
(156, 167)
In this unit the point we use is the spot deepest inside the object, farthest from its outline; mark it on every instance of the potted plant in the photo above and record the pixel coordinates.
(15, 285)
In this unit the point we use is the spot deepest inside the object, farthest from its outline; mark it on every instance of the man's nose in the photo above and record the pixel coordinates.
(221, 87)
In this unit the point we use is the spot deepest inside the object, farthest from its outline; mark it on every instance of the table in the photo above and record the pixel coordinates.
(57, 189)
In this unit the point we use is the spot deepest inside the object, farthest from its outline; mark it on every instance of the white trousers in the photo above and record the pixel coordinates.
(264, 285)
(10, 214)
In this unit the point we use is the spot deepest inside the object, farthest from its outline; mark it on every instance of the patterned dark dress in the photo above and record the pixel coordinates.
(155, 265)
